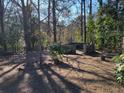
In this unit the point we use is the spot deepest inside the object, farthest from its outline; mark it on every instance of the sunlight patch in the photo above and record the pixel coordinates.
(26, 77)
(1, 80)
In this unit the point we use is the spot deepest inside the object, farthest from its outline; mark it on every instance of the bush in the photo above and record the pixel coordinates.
(56, 51)
(68, 49)
(119, 70)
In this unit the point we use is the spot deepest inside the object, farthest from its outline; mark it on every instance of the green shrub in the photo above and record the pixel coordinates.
(68, 49)
(119, 70)
(119, 58)
(56, 51)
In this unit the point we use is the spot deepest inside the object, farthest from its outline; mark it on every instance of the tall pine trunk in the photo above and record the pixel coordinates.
(81, 20)
(2, 25)
(84, 4)
(49, 7)
(39, 15)
(54, 20)
(90, 7)
(26, 26)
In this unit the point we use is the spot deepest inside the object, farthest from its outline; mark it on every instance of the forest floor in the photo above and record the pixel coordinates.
(75, 74)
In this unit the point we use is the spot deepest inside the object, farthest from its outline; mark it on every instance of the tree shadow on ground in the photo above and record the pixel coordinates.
(14, 59)
(8, 71)
(67, 66)
(68, 87)
(11, 84)
(75, 60)
(27, 81)
(11, 64)
(93, 81)
(37, 82)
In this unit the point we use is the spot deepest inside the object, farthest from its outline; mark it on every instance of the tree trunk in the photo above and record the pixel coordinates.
(2, 24)
(100, 3)
(39, 15)
(90, 7)
(117, 2)
(109, 2)
(81, 20)
(84, 21)
(27, 27)
(49, 6)
(54, 20)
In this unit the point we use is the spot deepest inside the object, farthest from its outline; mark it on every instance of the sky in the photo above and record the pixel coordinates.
(75, 10)
(95, 6)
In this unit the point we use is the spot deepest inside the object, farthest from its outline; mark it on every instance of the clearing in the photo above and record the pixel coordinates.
(76, 74)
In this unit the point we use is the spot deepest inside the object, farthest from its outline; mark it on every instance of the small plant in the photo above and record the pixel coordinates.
(119, 70)
(56, 52)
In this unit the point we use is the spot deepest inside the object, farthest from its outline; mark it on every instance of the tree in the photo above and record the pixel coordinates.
(84, 4)
(26, 13)
(38, 14)
(49, 15)
(54, 20)
(2, 11)
(90, 8)
(90, 30)
(100, 3)
(108, 26)
(81, 19)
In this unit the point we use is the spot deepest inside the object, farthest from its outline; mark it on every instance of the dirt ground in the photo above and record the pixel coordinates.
(75, 74)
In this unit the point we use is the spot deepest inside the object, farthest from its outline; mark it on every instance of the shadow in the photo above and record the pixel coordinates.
(107, 60)
(60, 64)
(68, 86)
(11, 84)
(55, 87)
(78, 57)
(84, 71)
(26, 81)
(1, 59)
(7, 63)
(37, 82)
(85, 80)
(14, 59)
(45, 79)
(14, 67)
(10, 63)
(84, 63)
(94, 54)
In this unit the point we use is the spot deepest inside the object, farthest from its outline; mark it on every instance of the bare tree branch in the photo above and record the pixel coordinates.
(6, 6)
(15, 2)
